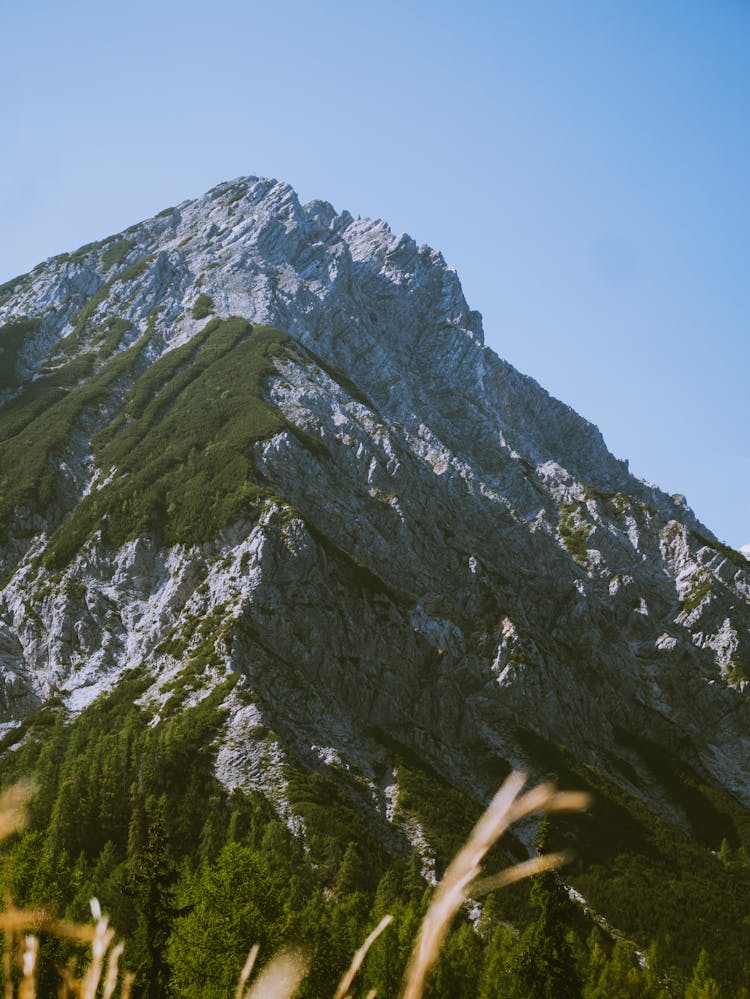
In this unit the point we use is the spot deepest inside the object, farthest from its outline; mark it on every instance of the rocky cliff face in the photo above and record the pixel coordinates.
(391, 536)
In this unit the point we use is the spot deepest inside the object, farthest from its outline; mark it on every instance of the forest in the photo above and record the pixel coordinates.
(191, 876)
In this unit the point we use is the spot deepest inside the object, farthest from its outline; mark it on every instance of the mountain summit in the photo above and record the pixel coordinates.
(260, 446)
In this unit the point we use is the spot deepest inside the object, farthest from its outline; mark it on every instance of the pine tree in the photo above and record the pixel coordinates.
(702, 985)
(384, 967)
(214, 831)
(496, 978)
(545, 965)
(232, 903)
(456, 972)
(619, 977)
(352, 873)
(153, 880)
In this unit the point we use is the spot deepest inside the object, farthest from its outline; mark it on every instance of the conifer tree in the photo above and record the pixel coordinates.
(231, 904)
(497, 974)
(153, 879)
(351, 874)
(702, 985)
(545, 965)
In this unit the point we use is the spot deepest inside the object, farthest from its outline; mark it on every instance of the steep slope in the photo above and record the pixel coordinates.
(402, 547)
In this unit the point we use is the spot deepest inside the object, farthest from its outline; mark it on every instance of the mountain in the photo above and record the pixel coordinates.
(258, 451)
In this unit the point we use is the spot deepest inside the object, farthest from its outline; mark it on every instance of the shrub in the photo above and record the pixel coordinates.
(202, 307)
(116, 252)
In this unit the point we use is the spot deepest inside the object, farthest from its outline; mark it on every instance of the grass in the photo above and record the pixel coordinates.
(75, 339)
(137, 269)
(112, 332)
(199, 656)
(237, 195)
(84, 251)
(181, 447)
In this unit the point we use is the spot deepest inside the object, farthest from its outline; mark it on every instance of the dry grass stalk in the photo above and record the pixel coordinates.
(27, 988)
(280, 978)
(537, 865)
(7, 955)
(69, 985)
(246, 972)
(13, 808)
(110, 978)
(359, 957)
(103, 937)
(7, 979)
(12, 819)
(17, 920)
(506, 807)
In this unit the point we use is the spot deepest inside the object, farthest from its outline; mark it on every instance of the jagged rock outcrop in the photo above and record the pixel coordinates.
(399, 539)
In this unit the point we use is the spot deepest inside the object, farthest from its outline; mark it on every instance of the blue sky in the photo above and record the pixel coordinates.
(585, 166)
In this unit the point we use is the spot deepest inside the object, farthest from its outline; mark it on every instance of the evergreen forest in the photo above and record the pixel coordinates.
(192, 876)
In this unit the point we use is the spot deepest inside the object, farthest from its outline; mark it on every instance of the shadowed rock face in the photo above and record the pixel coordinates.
(431, 552)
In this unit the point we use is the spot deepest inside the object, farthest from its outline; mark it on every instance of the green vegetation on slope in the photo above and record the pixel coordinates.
(202, 307)
(12, 336)
(116, 253)
(35, 429)
(652, 880)
(181, 449)
(132, 813)
(574, 530)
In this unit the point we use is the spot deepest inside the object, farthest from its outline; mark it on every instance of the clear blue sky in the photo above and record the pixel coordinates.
(585, 166)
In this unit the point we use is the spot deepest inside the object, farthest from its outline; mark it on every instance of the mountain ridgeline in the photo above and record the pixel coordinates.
(268, 504)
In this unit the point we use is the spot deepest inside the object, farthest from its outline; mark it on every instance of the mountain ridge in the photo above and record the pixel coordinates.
(504, 570)
(317, 219)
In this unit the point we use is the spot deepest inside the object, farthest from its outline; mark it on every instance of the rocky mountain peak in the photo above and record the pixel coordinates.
(265, 440)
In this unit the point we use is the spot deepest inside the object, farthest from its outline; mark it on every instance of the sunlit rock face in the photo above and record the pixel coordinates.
(387, 533)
